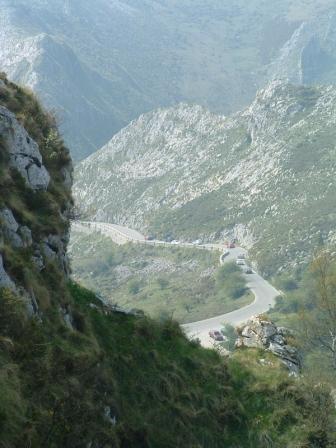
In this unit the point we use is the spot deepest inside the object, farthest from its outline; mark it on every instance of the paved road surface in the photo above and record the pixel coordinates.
(264, 299)
(118, 234)
(123, 235)
(263, 291)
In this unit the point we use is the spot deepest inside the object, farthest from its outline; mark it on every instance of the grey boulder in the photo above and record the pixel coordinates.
(264, 334)
(24, 154)
(5, 280)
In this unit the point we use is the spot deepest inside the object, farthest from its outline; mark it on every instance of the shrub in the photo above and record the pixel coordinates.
(225, 271)
(162, 282)
(134, 286)
(231, 281)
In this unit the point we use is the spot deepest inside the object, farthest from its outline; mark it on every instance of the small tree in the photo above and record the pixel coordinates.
(225, 271)
(162, 282)
(134, 286)
(320, 324)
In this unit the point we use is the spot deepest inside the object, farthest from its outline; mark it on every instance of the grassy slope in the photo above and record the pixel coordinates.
(175, 281)
(163, 390)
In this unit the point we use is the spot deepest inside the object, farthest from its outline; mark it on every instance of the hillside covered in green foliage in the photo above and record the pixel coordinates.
(185, 283)
(74, 373)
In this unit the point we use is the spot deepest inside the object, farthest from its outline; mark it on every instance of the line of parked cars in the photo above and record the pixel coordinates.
(241, 262)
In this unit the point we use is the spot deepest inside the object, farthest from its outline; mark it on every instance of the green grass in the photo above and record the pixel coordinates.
(264, 388)
(181, 282)
(163, 390)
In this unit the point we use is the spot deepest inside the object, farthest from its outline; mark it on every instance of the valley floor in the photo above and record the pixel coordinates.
(176, 279)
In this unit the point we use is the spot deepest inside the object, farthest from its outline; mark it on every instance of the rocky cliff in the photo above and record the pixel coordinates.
(35, 201)
(264, 176)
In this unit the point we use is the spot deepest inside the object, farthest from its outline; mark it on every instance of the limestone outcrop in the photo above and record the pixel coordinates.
(5, 280)
(264, 334)
(37, 244)
(23, 151)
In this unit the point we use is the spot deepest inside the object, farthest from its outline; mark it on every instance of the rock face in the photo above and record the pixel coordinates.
(10, 227)
(49, 249)
(24, 155)
(54, 248)
(5, 280)
(23, 151)
(37, 245)
(264, 334)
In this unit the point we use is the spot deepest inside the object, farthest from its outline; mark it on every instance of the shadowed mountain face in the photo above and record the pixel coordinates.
(102, 66)
(264, 175)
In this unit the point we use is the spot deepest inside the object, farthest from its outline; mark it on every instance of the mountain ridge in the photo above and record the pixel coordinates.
(213, 53)
(190, 173)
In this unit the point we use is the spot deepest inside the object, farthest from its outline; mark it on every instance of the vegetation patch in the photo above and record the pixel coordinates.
(130, 381)
(186, 284)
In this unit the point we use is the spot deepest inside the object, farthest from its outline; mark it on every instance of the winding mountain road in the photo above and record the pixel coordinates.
(263, 291)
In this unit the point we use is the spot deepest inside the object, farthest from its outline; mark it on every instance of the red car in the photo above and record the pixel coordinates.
(216, 335)
(230, 245)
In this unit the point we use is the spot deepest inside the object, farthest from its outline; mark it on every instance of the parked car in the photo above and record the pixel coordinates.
(241, 256)
(216, 335)
(248, 271)
(240, 262)
(149, 237)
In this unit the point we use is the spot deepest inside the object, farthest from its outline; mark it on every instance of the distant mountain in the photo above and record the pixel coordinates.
(102, 66)
(265, 175)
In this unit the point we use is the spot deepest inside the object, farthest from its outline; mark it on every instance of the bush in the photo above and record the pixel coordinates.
(134, 286)
(286, 283)
(230, 279)
(162, 282)
(12, 314)
(225, 271)
(235, 286)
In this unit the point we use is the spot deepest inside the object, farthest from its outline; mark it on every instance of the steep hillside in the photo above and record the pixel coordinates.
(76, 374)
(103, 66)
(35, 200)
(264, 175)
